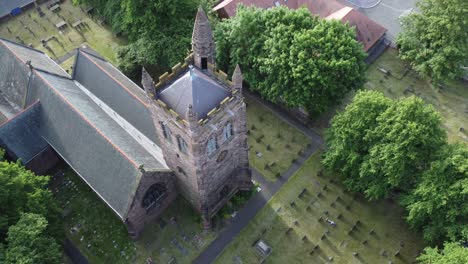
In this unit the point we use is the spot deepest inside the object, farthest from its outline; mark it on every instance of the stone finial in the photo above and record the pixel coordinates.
(191, 117)
(237, 80)
(148, 83)
(203, 44)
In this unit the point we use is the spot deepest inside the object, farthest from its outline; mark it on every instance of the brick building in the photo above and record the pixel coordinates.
(136, 148)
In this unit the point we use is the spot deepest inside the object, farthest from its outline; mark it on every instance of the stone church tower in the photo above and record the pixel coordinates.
(200, 118)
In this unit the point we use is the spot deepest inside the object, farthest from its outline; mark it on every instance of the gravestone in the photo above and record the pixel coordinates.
(263, 249)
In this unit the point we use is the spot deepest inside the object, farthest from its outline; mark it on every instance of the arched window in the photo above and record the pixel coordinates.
(182, 145)
(154, 196)
(166, 132)
(227, 131)
(212, 145)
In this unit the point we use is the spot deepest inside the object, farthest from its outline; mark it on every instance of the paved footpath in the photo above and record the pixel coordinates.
(269, 189)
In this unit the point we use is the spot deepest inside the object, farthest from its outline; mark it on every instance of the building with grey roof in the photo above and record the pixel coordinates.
(137, 149)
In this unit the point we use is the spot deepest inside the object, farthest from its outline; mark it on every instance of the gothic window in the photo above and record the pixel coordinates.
(154, 196)
(166, 132)
(227, 131)
(212, 145)
(182, 144)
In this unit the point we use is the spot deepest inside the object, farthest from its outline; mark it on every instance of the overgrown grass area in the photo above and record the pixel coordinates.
(29, 29)
(274, 144)
(379, 235)
(102, 237)
(450, 99)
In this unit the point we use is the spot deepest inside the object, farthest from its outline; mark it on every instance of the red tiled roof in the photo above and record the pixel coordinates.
(368, 32)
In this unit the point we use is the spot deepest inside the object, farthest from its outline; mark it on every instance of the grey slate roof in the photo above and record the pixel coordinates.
(38, 58)
(19, 135)
(195, 88)
(91, 142)
(7, 5)
(116, 90)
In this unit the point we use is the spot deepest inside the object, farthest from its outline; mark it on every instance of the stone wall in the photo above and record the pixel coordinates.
(138, 216)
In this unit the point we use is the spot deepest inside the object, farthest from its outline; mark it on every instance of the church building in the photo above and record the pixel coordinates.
(184, 133)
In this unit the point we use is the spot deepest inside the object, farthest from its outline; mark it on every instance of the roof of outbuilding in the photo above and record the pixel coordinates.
(19, 135)
(196, 88)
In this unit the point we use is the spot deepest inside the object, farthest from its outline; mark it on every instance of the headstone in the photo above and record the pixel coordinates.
(293, 204)
(355, 254)
(371, 232)
(289, 230)
(296, 223)
(304, 238)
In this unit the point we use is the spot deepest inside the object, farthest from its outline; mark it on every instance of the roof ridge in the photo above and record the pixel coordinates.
(21, 45)
(51, 73)
(93, 55)
(21, 112)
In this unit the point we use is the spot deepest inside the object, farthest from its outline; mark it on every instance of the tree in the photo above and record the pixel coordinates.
(29, 242)
(403, 144)
(453, 253)
(346, 144)
(438, 205)
(22, 191)
(435, 41)
(292, 57)
(380, 146)
(159, 31)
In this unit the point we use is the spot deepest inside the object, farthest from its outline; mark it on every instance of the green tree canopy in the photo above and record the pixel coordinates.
(159, 31)
(380, 145)
(439, 204)
(435, 40)
(453, 253)
(291, 56)
(21, 191)
(30, 243)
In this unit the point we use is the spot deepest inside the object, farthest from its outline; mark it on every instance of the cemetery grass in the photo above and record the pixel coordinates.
(451, 100)
(278, 142)
(102, 238)
(390, 232)
(97, 36)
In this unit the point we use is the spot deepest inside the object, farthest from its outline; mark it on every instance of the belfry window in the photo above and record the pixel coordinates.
(154, 196)
(227, 131)
(212, 145)
(182, 144)
(166, 132)
(204, 63)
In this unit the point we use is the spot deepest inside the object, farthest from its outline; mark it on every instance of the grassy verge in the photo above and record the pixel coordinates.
(103, 238)
(451, 99)
(97, 36)
(379, 235)
(274, 145)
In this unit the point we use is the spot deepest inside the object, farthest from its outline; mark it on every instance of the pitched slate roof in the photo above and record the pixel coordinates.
(116, 90)
(39, 59)
(368, 32)
(195, 88)
(107, 151)
(103, 153)
(19, 135)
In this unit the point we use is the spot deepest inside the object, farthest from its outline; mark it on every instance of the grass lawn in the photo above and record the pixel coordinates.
(278, 142)
(102, 237)
(389, 233)
(451, 100)
(94, 35)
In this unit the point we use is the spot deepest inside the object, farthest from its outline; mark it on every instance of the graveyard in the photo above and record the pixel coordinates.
(102, 238)
(273, 144)
(389, 75)
(312, 219)
(62, 28)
